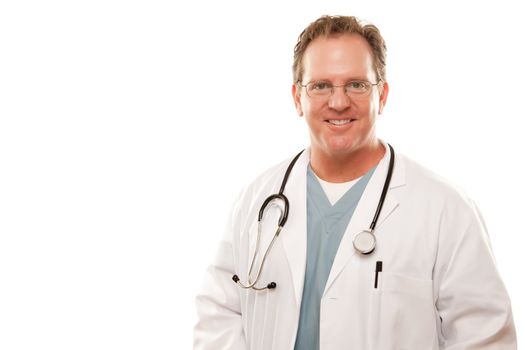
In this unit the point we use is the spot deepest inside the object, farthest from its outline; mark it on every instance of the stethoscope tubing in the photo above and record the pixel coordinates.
(284, 217)
(385, 188)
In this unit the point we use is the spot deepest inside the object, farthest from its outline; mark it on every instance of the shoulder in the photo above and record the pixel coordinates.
(266, 183)
(428, 185)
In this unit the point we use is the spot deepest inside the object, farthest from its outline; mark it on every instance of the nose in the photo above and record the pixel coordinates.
(339, 100)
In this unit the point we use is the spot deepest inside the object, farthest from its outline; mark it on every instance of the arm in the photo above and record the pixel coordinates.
(219, 323)
(472, 303)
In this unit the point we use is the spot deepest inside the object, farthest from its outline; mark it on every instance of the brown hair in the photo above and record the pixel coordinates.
(333, 25)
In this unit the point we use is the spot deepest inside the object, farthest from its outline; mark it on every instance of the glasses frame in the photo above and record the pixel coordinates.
(332, 89)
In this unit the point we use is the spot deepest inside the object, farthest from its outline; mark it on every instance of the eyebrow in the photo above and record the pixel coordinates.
(346, 81)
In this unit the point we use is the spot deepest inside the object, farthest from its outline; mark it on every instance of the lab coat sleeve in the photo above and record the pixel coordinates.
(474, 310)
(219, 324)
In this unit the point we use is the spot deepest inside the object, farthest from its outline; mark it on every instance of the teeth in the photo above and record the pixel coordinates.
(340, 122)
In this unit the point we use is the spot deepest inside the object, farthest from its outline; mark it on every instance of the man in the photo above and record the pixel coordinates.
(376, 252)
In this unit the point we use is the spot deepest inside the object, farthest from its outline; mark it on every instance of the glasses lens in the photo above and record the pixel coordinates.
(357, 87)
(319, 89)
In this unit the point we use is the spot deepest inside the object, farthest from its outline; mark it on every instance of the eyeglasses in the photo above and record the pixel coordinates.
(324, 89)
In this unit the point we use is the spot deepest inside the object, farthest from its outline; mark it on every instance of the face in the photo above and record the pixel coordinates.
(339, 124)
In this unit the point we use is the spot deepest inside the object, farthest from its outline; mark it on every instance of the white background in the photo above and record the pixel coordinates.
(128, 127)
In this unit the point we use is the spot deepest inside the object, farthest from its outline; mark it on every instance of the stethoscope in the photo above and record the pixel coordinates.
(364, 242)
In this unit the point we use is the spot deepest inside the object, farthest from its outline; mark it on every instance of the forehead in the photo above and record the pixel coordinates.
(344, 56)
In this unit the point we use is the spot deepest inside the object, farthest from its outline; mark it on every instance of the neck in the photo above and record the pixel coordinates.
(346, 167)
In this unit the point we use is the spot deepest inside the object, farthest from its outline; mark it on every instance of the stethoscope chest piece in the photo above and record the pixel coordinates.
(365, 242)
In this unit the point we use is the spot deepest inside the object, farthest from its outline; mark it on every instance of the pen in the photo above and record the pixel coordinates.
(379, 268)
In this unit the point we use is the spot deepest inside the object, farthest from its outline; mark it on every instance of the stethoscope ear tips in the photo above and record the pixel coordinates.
(270, 285)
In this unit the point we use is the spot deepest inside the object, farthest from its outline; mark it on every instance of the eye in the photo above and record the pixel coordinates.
(320, 86)
(357, 85)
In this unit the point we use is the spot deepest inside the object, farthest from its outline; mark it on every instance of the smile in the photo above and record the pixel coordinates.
(340, 122)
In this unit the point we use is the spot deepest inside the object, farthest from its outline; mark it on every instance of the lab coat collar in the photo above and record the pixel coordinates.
(294, 232)
(366, 209)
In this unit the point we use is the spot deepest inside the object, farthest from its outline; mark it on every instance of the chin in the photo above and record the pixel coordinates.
(340, 146)
(338, 151)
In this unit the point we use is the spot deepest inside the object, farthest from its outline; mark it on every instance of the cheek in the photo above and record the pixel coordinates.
(307, 109)
(375, 105)
(372, 109)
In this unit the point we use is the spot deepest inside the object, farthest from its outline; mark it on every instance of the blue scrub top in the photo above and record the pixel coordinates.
(326, 225)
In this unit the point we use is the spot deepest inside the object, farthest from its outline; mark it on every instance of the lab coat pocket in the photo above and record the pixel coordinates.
(402, 314)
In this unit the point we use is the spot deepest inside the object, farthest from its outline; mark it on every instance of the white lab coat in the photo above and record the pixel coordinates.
(439, 288)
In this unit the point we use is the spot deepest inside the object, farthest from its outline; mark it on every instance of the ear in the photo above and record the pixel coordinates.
(296, 94)
(383, 97)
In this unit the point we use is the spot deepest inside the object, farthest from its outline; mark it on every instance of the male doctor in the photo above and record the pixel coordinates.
(376, 251)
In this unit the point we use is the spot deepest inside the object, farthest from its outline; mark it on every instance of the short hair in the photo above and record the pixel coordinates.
(333, 25)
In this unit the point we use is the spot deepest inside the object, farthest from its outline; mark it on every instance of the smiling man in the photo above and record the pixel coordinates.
(343, 97)
(350, 245)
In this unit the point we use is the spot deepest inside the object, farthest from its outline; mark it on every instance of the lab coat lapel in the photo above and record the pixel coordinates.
(293, 234)
(365, 211)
